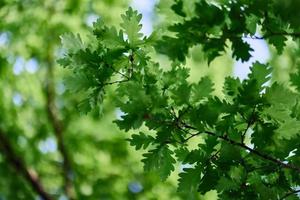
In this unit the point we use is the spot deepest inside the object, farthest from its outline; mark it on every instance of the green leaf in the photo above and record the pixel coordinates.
(279, 95)
(225, 184)
(177, 8)
(201, 90)
(181, 153)
(210, 111)
(209, 179)
(84, 106)
(241, 49)
(295, 79)
(159, 160)
(231, 86)
(112, 39)
(251, 23)
(132, 27)
(261, 73)
(129, 121)
(181, 94)
(78, 82)
(288, 129)
(174, 48)
(71, 42)
(277, 112)
(189, 179)
(213, 48)
(278, 41)
(141, 140)
(249, 93)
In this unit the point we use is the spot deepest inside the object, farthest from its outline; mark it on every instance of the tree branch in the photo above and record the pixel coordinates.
(256, 37)
(289, 194)
(273, 34)
(20, 167)
(127, 78)
(243, 146)
(115, 82)
(58, 129)
(116, 71)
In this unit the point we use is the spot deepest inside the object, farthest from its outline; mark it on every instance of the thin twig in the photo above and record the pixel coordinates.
(253, 151)
(256, 37)
(249, 123)
(128, 78)
(115, 82)
(116, 71)
(191, 136)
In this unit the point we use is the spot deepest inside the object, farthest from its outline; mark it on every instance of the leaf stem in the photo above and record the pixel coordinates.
(249, 123)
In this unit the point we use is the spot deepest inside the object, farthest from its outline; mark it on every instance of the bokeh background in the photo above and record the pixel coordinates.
(86, 156)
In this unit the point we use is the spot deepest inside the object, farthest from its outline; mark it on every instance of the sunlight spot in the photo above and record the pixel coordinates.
(48, 146)
(63, 197)
(145, 7)
(22, 141)
(260, 53)
(18, 67)
(60, 88)
(31, 66)
(119, 113)
(185, 166)
(4, 39)
(135, 187)
(17, 99)
(91, 18)
(86, 189)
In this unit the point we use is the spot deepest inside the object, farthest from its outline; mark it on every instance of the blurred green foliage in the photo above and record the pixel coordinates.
(102, 165)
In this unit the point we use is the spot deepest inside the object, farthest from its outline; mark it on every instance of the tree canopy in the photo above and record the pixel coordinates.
(222, 136)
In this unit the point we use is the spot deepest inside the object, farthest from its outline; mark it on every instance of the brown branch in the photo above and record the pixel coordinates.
(243, 146)
(253, 151)
(256, 37)
(18, 164)
(289, 194)
(58, 129)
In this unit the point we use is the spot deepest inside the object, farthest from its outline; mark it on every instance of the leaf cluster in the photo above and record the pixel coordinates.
(248, 140)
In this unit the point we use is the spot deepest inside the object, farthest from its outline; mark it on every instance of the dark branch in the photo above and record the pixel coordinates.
(253, 151)
(115, 82)
(273, 34)
(127, 78)
(191, 136)
(116, 71)
(18, 164)
(289, 194)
